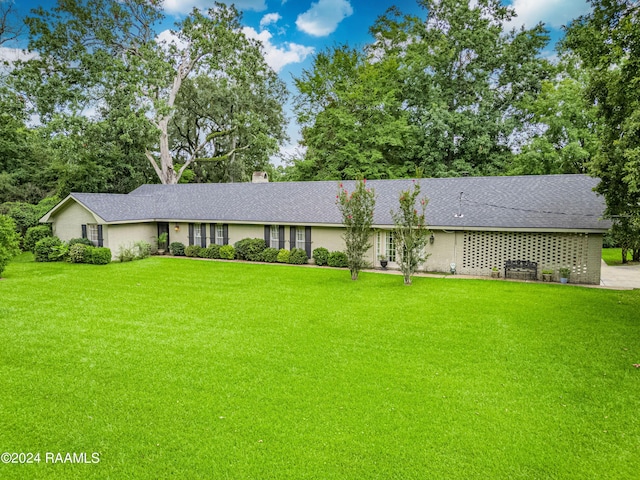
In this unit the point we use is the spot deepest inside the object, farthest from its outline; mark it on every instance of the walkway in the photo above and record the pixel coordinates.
(621, 276)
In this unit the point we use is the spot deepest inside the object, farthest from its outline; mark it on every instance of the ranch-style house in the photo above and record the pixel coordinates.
(477, 223)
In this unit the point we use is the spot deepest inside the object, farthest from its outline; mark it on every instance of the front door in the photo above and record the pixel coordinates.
(163, 227)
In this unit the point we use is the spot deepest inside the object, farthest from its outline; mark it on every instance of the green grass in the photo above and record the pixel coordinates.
(202, 369)
(613, 256)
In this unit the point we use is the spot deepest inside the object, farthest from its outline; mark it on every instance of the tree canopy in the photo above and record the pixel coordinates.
(97, 57)
(434, 96)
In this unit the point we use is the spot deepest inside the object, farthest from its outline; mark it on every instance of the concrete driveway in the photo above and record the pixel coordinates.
(622, 276)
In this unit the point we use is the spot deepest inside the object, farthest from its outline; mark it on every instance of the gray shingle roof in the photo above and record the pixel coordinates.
(554, 202)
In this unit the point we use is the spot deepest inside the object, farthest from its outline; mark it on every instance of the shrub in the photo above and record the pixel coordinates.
(338, 259)
(141, 249)
(177, 249)
(44, 249)
(59, 253)
(82, 241)
(125, 254)
(34, 234)
(283, 255)
(192, 251)
(76, 252)
(250, 249)
(270, 255)
(321, 256)
(97, 255)
(298, 256)
(227, 252)
(212, 251)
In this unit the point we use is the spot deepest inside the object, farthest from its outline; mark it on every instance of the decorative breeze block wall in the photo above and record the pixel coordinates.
(485, 250)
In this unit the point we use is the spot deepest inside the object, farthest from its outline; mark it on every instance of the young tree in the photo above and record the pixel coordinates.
(91, 50)
(411, 233)
(9, 241)
(357, 217)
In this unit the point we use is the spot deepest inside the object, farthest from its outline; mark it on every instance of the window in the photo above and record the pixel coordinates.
(219, 240)
(391, 247)
(300, 238)
(93, 234)
(275, 237)
(197, 234)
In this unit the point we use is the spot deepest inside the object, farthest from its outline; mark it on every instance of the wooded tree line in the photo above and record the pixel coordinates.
(446, 93)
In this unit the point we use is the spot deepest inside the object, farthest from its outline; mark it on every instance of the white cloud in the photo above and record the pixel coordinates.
(279, 56)
(13, 54)
(323, 17)
(553, 13)
(185, 6)
(269, 19)
(167, 37)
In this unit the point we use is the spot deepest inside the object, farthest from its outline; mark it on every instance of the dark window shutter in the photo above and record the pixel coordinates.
(292, 238)
(212, 234)
(203, 235)
(191, 234)
(225, 234)
(307, 241)
(84, 231)
(267, 235)
(100, 238)
(281, 237)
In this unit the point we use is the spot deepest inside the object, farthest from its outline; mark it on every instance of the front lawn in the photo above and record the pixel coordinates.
(202, 369)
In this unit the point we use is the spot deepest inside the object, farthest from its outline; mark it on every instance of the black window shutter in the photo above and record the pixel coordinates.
(84, 231)
(191, 234)
(307, 241)
(212, 234)
(292, 238)
(225, 234)
(267, 235)
(281, 237)
(100, 238)
(203, 235)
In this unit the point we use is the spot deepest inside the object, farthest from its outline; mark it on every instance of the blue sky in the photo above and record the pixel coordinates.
(292, 31)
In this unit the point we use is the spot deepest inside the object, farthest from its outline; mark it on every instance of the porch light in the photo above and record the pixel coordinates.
(177, 228)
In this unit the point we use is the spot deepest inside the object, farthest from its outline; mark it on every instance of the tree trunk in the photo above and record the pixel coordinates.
(407, 279)
(354, 274)
(624, 255)
(636, 254)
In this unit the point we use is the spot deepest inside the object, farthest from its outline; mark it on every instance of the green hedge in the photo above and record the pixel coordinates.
(97, 255)
(250, 249)
(298, 256)
(270, 255)
(45, 250)
(212, 251)
(283, 255)
(76, 252)
(177, 249)
(321, 256)
(192, 251)
(34, 235)
(337, 259)
(227, 252)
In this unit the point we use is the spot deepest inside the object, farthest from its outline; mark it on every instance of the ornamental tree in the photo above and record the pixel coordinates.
(9, 241)
(357, 217)
(411, 232)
